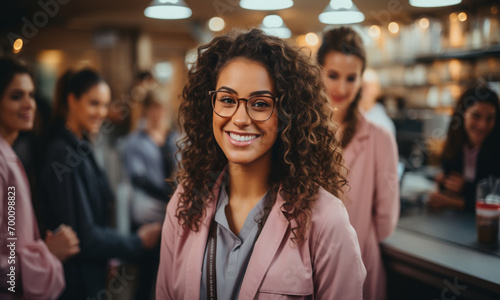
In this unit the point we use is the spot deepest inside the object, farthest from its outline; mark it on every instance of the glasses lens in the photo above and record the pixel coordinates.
(224, 103)
(260, 108)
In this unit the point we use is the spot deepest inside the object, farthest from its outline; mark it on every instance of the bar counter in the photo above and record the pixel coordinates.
(435, 255)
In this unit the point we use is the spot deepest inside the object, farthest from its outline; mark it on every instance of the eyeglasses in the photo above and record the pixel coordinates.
(259, 107)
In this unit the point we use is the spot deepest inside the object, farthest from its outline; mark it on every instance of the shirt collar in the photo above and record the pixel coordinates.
(223, 201)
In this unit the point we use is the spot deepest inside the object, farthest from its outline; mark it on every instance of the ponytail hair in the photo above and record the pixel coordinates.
(344, 40)
(76, 83)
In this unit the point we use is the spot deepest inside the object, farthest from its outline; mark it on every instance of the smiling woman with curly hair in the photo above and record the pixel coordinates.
(257, 213)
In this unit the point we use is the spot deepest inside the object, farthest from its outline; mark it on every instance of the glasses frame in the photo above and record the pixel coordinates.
(213, 93)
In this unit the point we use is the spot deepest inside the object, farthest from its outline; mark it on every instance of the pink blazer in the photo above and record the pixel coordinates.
(37, 270)
(373, 200)
(327, 265)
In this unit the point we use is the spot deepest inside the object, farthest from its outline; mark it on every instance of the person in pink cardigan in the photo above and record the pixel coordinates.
(30, 268)
(257, 213)
(370, 152)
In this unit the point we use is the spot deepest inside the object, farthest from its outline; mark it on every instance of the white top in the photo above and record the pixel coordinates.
(379, 116)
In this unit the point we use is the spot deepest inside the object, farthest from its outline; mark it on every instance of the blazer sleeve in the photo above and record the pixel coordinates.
(69, 198)
(339, 272)
(164, 281)
(386, 198)
(38, 272)
(41, 272)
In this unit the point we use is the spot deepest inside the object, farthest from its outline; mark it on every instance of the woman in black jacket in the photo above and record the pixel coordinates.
(75, 190)
(471, 150)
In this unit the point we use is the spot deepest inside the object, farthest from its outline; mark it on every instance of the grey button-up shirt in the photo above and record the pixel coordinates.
(233, 251)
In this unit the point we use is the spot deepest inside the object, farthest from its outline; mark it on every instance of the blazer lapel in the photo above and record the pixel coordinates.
(264, 251)
(197, 247)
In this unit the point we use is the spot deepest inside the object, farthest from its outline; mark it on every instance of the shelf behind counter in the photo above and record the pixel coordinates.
(435, 255)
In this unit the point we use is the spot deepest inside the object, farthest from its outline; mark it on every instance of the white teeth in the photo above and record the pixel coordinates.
(242, 138)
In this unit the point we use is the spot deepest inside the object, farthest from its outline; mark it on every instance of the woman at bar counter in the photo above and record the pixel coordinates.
(35, 270)
(471, 151)
(75, 190)
(370, 153)
(255, 215)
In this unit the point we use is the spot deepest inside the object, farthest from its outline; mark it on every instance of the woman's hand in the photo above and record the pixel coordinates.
(440, 200)
(64, 243)
(454, 182)
(440, 178)
(149, 234)
(113, 269)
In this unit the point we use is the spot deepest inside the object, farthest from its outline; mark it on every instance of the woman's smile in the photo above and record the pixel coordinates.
(241, 139)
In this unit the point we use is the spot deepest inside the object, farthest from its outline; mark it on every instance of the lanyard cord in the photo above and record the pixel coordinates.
(212, 251)
(211, 275)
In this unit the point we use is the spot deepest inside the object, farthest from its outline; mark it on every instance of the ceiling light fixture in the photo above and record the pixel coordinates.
(434, 3)
(462, 17)
(168, 10)
(341, 12)
(424, 23)
(17, 46)
(216, 24)
(274, 25)
(312, 39)
(266, 4)
(393, 27)
(374, 31)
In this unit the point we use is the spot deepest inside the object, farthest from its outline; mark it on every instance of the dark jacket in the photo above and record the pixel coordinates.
(488, 163)
(76, 192)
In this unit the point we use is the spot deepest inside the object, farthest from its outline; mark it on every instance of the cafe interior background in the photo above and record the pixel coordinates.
(425, 58)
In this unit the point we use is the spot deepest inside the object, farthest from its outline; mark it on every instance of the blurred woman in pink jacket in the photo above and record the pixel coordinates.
(370, 152)
(30, 268)
(257, 213)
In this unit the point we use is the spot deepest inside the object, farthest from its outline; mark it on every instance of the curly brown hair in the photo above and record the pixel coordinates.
(345, 40)
(306, 155)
